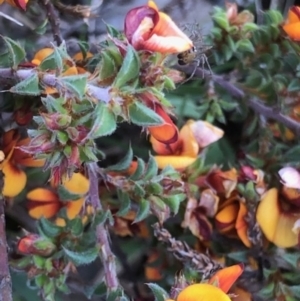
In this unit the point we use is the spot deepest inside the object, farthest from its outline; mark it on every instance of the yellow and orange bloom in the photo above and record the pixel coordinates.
(14, 159)
(277, 217)
(44, 202)
(146, 28)
(193, 136)
(16, 3)
(292, 23)
(231, 219)
(166, 133)
(215, 289)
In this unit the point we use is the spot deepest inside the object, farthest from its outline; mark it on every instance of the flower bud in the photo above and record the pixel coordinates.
(33, 244)
(56, 121)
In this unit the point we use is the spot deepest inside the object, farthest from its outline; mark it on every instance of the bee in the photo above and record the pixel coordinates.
(196, 55)
(187, 57)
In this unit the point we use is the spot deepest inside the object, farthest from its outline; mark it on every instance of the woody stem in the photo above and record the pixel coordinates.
(5, 279)
(102, 234)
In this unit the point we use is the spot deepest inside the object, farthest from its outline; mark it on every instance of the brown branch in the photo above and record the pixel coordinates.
(254, 103)
(108, 258)
(198, 261)
(5, 279)
(53, 20)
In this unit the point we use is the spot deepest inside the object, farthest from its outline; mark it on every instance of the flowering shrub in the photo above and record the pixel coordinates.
(176, 182)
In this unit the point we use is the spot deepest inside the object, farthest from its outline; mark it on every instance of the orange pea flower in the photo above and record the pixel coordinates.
(146, 28)
(230, 220)
(223, 280)
(45, 202)
(16, 3)
(14, 159)
(166, 133)
(292, 23)
(193, 136)
(278, 214)
(281, 224)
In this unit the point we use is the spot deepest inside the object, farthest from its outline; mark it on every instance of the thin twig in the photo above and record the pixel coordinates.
(10, 18)
(53, 20)
(5, 279)
(8, 78)
(254, 103)
(198, 261)
(108, 258)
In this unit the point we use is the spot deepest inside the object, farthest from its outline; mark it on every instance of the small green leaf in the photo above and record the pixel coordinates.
(154, 188)
(102, 216)
(139, 170)
(143, 211)
(65, 195)
(114, 295)
(75, 83)
(294, 85)
(112, 31)
(40, 280)
(139, 190)
(107, 66)
(82, 257)
(173, 201)
(293, 259)
(39, 261)
(130, 68)
(159, 293)
(41, 29)
(28, 86)
(16, 52)
(104, 121)
(221, 20)
(48, 229)
(245, 46)
(124, 163)
(76, 226)
(143, 116)
(152, 169)
(54, 61)
(125, 203)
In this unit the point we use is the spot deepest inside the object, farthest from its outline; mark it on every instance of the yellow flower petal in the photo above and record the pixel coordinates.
(77, 184)
(14, 180)
(60, 222)
(226, 217)
(202, 292)
(190, 145)
(46, 210)
(42, 195)
(276, 225)
(177, 162)
(73, 208)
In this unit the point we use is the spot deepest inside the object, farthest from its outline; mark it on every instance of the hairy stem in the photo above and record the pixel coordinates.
(5, 280)
(53, 20)
(108, 258)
